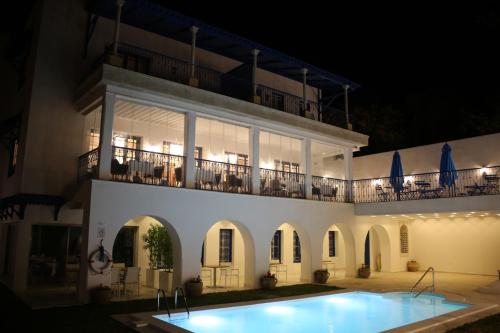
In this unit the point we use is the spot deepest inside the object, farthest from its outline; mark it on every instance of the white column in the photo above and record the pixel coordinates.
(255, 158)
(348, 172)
(119, 5)
(192, 79)
(255, 99)
(306, 160)
(304, 90)
(189, 142)
(346, 103)
(106, 136)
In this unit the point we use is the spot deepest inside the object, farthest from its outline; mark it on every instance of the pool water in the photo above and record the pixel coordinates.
(338, 313)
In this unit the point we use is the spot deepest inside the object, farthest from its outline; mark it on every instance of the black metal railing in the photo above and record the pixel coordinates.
(172, 69)
(87, 165)
(146, 167)
(165, 67)
(468, 182)
(286, 102)
(330, 189)
(223, 177)
(282, 184)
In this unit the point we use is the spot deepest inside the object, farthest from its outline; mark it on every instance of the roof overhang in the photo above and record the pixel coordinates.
(153, 17)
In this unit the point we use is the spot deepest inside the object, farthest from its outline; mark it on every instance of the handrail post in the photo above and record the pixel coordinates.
(433, 282)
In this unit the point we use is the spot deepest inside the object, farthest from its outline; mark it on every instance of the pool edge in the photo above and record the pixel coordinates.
(440, 323)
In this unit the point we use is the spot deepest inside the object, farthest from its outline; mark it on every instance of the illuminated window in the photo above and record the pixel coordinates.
(276, 246)
(93, 139)
(403, 239)
(125, 147)
(226, 245)
(331, 244)
(296, 247)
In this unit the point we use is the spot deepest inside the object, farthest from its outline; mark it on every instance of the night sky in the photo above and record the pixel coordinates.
(427, 73)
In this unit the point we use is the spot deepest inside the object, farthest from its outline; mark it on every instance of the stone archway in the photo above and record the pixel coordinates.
(343, 260)
(148, 278)
(291, 258)
(238, 255)
(377, 249)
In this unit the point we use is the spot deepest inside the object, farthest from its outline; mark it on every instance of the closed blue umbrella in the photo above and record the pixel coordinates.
(396, 178)
(447, 170)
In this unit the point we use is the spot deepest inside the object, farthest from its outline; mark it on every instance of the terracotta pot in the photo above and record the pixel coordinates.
(321, 276)
(100, 295)
(194, 289)
(412, 266)
(364, 272)
(268, 282)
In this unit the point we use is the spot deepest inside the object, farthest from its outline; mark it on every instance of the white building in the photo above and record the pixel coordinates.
(164, 119)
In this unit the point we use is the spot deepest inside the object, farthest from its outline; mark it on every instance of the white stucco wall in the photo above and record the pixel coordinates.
(189, 214)
(464, 245)
(475, 152)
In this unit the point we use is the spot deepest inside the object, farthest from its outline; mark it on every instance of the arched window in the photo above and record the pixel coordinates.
(403, 239)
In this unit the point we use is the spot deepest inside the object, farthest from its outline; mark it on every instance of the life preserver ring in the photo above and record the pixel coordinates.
(100, 260)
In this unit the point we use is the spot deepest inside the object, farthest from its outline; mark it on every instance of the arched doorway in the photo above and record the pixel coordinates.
(289, 257)
(377, 254)
(338, 252)
(149, 247)
(227, 256)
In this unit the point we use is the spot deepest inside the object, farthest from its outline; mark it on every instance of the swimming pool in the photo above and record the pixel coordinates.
(337, 313)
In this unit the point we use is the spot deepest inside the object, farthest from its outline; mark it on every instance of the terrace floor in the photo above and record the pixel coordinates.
(457, 287)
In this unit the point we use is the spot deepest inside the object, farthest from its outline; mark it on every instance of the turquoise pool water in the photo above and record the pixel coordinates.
(339, 313)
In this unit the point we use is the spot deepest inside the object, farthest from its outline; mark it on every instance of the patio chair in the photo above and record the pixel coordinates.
(178, 176)
(230, 273)
(132, 278)
(234, 183)
(382, 195)
(158, 173)
(276, 187)
(327, 192)
(206, 276)
(316, 191)
(118, 169)
(116, 280)
(280, 270)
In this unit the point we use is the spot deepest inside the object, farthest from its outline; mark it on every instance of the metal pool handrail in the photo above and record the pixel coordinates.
(164, 300)
(181, 291)
(430, 269)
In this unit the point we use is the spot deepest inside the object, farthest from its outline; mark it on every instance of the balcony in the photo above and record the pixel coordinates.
(223, 177)
(276, 183)
(162, 66)
(152, 168)
(469, 182)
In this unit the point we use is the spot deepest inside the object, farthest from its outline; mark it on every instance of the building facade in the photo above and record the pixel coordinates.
(131, 115)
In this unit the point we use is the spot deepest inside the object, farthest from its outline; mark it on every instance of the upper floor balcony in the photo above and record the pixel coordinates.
(153, 40)
(236, 83)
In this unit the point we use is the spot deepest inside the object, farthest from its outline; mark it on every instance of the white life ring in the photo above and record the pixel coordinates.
(97, 265)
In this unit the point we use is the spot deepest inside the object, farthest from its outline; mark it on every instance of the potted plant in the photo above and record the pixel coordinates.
(412, 266)
(268, 281)
(100, 295)
(321, 275)
(194, 287)
(364, 272)
(157, 243)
